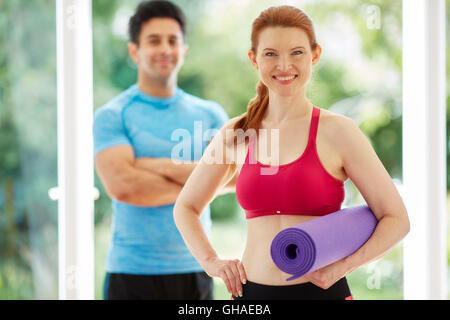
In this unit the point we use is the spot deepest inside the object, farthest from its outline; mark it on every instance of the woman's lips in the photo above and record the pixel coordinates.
(285, 79)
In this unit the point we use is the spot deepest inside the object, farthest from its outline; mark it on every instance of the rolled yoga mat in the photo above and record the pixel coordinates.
(311, 245)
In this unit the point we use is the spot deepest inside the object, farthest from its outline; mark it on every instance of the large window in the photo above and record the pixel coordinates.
(28, 147)
(359, 76)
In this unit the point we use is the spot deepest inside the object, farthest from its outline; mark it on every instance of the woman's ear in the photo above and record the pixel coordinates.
(252, 57)
(316, 55)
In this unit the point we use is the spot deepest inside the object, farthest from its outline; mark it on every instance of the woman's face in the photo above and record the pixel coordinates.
(284, 59)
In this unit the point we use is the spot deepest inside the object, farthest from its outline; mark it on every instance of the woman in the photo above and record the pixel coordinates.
(317, 151)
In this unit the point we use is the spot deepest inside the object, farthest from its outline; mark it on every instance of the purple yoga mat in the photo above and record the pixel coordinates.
(311, 245)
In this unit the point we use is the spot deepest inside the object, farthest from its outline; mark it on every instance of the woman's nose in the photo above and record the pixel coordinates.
(284, 63)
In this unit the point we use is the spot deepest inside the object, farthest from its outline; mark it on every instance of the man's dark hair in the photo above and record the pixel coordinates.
(154, 9)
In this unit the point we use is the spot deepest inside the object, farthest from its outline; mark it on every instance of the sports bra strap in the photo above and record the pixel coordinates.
(314, 124)
(251, 153)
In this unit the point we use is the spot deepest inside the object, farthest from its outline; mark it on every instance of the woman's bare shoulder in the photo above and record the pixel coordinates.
(341, 133)
(228, 133)
(333, 125)
(231, 122)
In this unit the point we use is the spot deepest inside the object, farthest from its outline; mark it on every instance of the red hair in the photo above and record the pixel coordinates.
(281, 16)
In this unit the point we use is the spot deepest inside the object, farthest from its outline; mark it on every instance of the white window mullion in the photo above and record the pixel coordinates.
(75, 149)
(424, 149)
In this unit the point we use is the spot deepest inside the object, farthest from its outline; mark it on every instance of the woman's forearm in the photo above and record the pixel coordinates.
(230, 271)
(189, 224)
(389, 231)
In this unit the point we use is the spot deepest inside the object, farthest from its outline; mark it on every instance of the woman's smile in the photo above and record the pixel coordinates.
(285, 79)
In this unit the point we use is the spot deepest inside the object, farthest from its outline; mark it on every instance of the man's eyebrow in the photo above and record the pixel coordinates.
(156, 35)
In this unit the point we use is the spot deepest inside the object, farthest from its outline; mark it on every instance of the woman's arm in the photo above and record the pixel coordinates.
(230, 186)
(198, 192)
(366, 171)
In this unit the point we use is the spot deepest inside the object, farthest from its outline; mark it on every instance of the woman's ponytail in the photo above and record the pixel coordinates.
(255, 110)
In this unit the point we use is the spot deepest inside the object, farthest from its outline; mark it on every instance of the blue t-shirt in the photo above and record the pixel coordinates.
(145, 240)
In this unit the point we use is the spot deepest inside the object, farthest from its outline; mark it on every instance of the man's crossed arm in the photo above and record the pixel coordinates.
(144, 181)
(178, 172)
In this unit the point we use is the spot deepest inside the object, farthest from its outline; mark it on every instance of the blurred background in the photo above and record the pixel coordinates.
(359, 75)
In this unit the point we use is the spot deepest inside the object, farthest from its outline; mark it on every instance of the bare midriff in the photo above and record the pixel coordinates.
(258, 264)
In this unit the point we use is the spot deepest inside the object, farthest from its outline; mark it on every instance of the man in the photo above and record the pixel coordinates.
(148, 258)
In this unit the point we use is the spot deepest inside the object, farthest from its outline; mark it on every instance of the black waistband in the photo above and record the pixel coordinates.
(302, 291)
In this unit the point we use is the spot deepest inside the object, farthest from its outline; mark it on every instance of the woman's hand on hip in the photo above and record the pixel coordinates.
(230, 271)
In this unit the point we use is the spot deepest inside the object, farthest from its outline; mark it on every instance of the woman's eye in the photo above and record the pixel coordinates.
(297, 52)
(270, 54)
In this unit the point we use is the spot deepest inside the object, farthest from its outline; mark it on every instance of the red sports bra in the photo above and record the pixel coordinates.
(301, 187)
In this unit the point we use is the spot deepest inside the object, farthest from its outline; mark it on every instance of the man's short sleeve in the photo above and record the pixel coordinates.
(108, 130)
(220, 116)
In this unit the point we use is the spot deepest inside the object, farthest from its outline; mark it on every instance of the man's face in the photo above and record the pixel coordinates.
(161, 50)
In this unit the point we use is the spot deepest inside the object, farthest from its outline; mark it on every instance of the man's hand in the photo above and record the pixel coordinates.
(174, 171)
(179, 172)
(127, 183)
